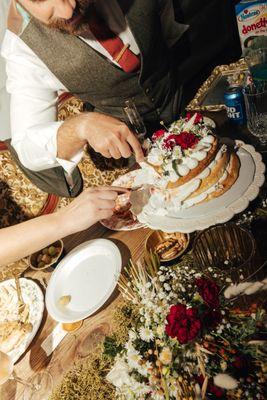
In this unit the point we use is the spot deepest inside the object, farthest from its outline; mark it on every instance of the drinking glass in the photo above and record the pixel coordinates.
(136, 122)
(226, 247)
(255, 97)
(37, 388)
(257, 64)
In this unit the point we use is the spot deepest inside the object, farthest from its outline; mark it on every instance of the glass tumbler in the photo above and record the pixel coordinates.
(256, 109)
(228, 248)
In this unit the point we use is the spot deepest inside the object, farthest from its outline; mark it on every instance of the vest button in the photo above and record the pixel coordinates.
(147, 90)
(152, 99)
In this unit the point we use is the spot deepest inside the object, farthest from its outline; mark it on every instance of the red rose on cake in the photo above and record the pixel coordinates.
(170, 142)
(185, 140)
(158, 134)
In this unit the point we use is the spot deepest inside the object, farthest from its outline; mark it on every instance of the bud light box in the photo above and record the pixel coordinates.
(251, 20)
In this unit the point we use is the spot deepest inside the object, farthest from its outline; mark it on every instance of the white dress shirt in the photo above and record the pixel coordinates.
(4, 96)
(34, 88)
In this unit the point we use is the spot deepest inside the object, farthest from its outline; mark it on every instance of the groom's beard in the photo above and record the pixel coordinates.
(79, 21)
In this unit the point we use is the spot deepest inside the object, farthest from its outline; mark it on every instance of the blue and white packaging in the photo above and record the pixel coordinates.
(251, 20)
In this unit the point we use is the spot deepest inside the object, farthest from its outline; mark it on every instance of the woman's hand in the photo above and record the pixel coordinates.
(88, 208)
(20, 240)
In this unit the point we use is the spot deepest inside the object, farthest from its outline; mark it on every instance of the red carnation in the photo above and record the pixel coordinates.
(187, 140)
(198, 118)
(170, 142)
(183, 323)
(156, 135)
(209, 292)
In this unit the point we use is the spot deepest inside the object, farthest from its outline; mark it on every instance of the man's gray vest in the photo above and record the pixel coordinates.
(92, 78)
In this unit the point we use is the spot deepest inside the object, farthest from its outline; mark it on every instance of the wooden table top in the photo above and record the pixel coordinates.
(77, 345)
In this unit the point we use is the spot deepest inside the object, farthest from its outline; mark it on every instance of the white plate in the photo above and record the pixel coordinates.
(221, 209)
(89, 274)
(33, 296)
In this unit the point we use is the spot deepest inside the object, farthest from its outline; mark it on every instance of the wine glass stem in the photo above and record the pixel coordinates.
(25, 383)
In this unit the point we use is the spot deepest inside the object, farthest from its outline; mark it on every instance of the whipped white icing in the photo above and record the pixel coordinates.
(208, 139)
(191, 163)
(205, 173)
(172, 175)
(169, 201)
(161, 203)
(200, 155)
(197, 199)
(155, 157)
(146, 175)
(183, 170)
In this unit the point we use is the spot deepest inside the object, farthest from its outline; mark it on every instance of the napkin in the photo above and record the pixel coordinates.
(52, 341)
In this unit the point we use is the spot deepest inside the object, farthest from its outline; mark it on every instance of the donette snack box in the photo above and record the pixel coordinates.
(251, 20)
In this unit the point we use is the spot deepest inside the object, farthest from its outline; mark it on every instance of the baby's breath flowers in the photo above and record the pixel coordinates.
(187, 337)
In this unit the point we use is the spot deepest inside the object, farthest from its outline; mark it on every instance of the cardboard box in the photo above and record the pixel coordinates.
(251, 20)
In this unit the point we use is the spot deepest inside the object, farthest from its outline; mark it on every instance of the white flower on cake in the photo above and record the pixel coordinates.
(155, 156)
(132, 335)
(146, 144)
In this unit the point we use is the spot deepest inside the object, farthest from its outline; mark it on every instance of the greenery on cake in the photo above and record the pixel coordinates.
(177, 149)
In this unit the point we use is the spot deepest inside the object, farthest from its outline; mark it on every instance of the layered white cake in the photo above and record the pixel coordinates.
(186, 165)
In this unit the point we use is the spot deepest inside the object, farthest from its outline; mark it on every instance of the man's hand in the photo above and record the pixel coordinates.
(106, 135)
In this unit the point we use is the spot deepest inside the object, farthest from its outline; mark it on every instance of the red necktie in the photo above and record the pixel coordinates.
(119, 51)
